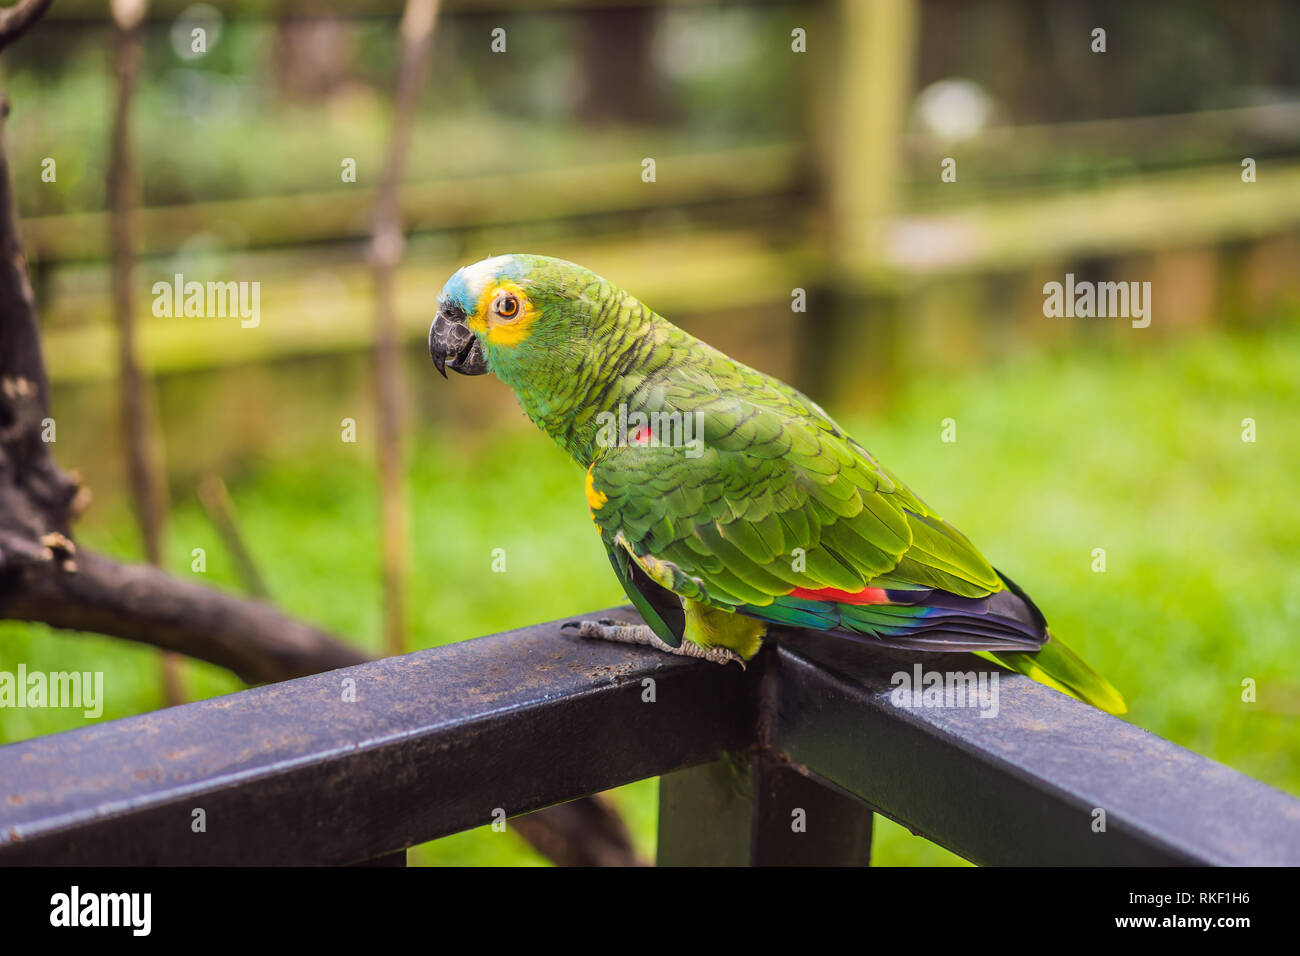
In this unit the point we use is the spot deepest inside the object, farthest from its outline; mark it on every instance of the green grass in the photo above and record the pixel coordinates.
(1137, 451)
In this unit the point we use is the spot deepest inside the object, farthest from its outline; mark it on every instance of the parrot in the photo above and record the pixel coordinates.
(729, 502)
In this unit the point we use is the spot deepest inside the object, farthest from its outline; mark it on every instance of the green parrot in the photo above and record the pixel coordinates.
(727, 500)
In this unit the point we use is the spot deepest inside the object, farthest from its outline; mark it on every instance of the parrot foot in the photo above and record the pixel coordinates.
(608, 630)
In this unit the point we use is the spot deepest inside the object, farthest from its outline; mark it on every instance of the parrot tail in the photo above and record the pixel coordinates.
(1056, 666)
(1061, 669)
(1005, 627)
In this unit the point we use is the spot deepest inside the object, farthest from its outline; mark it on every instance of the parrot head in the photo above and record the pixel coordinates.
(562, 338)
(515, 315)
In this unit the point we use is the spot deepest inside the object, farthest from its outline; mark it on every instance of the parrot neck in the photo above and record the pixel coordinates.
(586, 402)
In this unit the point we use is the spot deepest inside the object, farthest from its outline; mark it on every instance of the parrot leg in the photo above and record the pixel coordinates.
(607, 630)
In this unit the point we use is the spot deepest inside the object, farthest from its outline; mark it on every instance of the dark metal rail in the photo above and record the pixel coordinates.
(783, 763)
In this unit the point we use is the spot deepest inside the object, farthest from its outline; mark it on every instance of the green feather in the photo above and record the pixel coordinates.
(1059, 667)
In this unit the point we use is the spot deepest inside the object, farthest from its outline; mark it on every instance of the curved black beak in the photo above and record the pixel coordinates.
(453, 345)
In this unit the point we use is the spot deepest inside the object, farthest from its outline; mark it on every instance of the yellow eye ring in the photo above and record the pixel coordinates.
(506, 306)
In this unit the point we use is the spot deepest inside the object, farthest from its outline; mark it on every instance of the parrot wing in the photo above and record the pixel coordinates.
(783, 517)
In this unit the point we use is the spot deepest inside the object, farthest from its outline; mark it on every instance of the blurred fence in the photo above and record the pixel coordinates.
(850, 207)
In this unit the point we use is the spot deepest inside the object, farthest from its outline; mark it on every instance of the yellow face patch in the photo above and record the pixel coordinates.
(488, 320)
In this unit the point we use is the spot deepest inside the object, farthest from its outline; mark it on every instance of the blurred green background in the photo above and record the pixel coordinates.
(776, 170)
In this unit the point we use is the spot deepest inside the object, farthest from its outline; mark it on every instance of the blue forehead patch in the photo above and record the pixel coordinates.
(468, 282)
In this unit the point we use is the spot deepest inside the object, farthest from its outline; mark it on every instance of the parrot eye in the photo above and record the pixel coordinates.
(506, 306)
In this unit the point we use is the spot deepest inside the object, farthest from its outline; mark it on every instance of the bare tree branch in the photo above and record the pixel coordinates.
(44, 578)
(36, 498)
(139, 424)
(385, 253)
(220, 509)
(15, 20)
(141, 439)
(586, 832)
(141, 603)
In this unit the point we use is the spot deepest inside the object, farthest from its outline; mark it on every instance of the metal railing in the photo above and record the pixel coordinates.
(783, 763)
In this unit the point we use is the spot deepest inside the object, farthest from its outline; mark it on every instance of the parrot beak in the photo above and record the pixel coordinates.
(453, 345)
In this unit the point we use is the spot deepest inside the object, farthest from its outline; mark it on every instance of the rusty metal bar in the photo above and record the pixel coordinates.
(1031, 786)
(360, 763)
(433, 743)
(754, 810)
